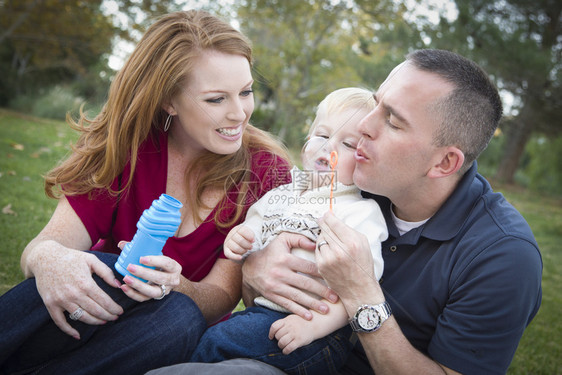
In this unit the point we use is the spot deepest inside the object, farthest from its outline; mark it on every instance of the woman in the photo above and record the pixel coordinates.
(176, 122)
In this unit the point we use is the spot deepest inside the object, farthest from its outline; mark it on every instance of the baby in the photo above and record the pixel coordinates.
(295, 207)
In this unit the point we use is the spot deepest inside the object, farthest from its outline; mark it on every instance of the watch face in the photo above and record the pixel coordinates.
(368, 319)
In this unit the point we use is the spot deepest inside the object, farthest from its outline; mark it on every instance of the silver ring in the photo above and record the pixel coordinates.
(77, 314)
(322, 243)
(163, 287)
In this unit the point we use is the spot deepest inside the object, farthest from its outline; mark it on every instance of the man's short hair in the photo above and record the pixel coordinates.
(470, 114)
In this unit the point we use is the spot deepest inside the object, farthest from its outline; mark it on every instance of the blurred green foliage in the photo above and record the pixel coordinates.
(544, 167)
(54, 57)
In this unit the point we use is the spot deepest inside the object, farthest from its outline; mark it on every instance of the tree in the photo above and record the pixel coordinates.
(302, 51)
(305, 49)
(49, 41)
(519, 42)
(54, 42)
(385, 35)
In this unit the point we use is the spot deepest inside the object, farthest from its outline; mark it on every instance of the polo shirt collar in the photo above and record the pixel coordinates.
(449, 219)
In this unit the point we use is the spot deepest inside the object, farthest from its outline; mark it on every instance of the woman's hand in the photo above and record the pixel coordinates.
(63, 275)
(160, 281)
(64, 280)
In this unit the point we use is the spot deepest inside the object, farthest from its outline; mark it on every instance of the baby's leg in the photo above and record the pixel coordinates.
(244, 335)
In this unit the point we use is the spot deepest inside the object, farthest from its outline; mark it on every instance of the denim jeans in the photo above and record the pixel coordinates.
(147, 335)
(245, 335)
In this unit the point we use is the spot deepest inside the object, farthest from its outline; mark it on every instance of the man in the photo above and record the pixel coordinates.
(462, 274)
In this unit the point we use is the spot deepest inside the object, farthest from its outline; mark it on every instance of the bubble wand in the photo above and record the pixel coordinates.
(333, 163)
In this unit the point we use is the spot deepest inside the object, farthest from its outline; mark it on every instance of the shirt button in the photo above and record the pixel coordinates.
(393, 248)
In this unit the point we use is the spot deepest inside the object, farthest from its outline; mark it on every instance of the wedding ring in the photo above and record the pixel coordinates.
(322, 243)
(77, 314)
(163, 287)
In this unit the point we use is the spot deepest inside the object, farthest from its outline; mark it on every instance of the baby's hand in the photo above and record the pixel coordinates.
(238, 241)
(291, 333)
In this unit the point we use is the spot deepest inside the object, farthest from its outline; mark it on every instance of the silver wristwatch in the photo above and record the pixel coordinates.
(369, 318)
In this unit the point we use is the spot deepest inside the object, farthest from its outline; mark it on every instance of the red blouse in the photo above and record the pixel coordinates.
(196, 252)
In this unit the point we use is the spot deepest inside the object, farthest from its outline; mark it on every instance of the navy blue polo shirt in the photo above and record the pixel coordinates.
(464, 285)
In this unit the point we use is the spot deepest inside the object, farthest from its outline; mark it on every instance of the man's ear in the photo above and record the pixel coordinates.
(452, 159)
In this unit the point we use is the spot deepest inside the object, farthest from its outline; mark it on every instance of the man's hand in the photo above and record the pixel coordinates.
(273, 273)
(346, 266)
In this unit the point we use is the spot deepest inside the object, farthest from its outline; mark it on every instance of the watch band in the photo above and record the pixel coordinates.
(385, 310)
(355, 326)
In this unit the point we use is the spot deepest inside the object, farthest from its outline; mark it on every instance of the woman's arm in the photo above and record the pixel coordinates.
(64, 275)
(218, 293)
(65, 228)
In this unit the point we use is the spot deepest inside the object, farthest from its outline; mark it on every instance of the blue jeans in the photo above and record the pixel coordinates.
(147, 335)
(245, 335)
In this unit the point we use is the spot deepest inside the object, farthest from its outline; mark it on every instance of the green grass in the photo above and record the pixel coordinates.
(29, 147)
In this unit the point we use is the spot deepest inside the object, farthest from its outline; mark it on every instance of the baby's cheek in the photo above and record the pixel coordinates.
(346, 167)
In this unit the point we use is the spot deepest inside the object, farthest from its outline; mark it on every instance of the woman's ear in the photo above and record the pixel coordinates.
(169, 108)
(451, 161)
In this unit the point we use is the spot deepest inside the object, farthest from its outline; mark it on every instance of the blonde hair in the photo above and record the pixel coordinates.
(341, 100)
(161, 62)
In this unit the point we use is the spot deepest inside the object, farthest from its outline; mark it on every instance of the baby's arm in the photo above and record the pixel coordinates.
(238, 241)
(293, 331)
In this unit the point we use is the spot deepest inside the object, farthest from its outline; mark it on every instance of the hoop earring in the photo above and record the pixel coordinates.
(168, 123)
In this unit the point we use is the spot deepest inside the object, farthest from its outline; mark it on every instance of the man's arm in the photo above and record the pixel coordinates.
(273, 273)
(388, 350)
